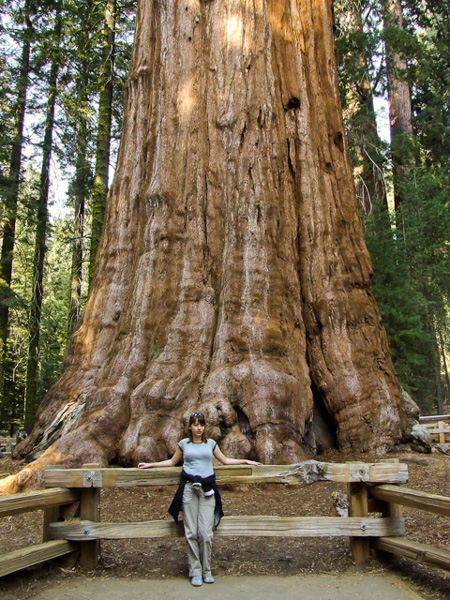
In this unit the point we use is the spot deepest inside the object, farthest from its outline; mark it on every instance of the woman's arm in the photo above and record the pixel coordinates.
(171, 462)
(233, 461)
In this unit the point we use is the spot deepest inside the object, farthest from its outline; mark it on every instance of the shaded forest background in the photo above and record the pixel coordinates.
(63, 69)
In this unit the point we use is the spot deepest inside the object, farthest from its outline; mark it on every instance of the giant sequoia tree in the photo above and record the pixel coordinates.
(232, 276)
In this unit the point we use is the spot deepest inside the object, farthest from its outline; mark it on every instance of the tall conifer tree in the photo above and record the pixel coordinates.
(104, 123)
(42, 226)
(10, 192)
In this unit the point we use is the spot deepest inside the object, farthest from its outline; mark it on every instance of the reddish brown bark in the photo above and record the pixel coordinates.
(232, 276)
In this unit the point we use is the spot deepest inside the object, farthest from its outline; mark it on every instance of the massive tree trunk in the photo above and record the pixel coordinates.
(232, 276)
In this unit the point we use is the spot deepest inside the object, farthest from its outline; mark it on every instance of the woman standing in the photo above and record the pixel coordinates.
(198, 495)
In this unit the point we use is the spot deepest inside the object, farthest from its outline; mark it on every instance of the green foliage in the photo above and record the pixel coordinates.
(358, 43)
(409, 250)
(425, 218)
(17, 349)
(53, 334)
(55, 307)
(431, 98)
(399, 302)
(411, 261)
(73, 155)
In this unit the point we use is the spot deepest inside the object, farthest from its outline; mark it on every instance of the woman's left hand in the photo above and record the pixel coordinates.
(253, 463)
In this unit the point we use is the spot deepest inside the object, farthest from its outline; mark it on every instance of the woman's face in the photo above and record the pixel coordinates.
(197, 428)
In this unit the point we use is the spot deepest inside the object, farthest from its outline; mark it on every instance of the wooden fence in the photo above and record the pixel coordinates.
(394, 497)
(50, 501)
(438, 427)
(72, 510)
(7, 445)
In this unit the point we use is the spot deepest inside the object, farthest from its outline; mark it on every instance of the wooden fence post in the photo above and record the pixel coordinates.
(388, 510)
(55, 514)
(51, 515)
(358, 507)
(441, 425)
(90, 511)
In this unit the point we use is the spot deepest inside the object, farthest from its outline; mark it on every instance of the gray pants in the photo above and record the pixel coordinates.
(198, 518)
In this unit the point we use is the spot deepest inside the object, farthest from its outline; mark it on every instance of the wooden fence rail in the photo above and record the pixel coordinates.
(258, 526)
(438, 427)
(412, 498)
(42, 499)
(433, 418)
(90, 476)
(50, 500)
(392, 499)
(413, 550)
(71, 507)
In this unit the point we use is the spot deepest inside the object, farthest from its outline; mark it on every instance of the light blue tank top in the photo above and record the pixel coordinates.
(197, 458)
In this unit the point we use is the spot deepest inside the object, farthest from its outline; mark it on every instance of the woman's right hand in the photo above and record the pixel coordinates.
(145, 465)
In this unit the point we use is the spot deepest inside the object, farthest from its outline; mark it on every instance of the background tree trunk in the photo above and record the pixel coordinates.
(80, 194)
(355, 55)
(400, 112)
(103, 151)
(41, 238)
(232, 275)
(12, 198)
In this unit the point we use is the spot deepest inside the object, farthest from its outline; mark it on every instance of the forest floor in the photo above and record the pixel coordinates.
(161, 559)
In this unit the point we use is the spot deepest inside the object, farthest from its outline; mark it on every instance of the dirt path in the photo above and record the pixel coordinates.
(356, 586)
